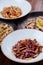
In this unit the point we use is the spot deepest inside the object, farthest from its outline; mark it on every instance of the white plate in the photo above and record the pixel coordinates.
(12, 39)
(22, 4)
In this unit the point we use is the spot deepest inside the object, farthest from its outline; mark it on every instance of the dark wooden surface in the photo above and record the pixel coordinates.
(37, 5)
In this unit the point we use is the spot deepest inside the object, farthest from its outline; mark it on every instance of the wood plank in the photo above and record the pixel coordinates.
(37, 5)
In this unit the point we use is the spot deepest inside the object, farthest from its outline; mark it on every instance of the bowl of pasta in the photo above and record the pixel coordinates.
(23, 47)
(14, 9)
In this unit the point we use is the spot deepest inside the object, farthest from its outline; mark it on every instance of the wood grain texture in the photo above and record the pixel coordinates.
(37, 5)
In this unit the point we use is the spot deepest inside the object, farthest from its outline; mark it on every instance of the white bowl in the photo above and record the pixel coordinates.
(22, 4)
(15, 36)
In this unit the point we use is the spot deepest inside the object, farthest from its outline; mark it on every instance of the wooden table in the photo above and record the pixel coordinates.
(37, 5)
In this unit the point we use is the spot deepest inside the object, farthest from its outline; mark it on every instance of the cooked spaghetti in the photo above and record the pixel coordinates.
(35, 23)
(25, 49)
(5, 29)
(11, 12)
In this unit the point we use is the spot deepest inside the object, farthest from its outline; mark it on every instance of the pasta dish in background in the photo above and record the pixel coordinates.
(11, 12)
